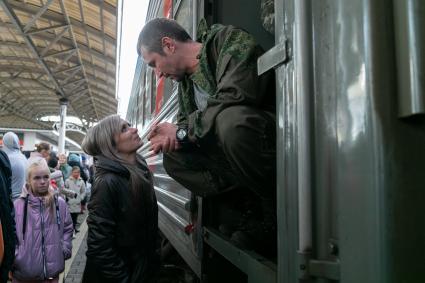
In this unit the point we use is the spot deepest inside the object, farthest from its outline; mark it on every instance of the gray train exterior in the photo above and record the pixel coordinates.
(350, 140)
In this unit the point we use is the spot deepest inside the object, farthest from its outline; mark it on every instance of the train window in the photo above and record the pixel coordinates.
(142, 90)
(153, 92)
(140, 105)
(166, 9)
(147, 96)
(139, 95)
(132, 112)
(184, 15)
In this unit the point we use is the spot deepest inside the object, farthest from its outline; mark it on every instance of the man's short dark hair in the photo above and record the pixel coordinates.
(152, 33)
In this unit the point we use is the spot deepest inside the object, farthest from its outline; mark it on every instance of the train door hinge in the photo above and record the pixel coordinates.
(274, 57)
(308, 267)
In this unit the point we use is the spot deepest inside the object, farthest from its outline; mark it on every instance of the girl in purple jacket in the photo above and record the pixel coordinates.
(43, 227)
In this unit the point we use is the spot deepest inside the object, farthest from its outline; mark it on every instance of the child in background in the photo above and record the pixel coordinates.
(43, 228)
(56, 180)
(75, 184)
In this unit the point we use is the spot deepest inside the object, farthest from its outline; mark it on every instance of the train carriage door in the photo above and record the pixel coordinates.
(349, 187)
(249, 17)
(278, 57)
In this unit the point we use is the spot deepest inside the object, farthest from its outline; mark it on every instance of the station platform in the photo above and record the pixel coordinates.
(74, 267)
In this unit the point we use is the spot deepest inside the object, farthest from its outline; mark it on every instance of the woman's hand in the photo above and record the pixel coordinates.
(163, 138)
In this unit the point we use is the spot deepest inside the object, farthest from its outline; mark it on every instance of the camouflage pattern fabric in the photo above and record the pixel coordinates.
(267, 15)
(227, 72)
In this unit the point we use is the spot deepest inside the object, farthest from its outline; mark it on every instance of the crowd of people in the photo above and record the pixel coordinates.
(42, 197)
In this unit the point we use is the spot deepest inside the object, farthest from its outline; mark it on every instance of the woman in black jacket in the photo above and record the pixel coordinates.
(123, 213)
(7, 220)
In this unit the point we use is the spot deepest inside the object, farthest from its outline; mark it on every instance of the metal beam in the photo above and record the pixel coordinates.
(78, 93)
(37, 15)
(71, 127)
(92, 78)
(78, 53)
(77, 90)
(101, 4)
(8, 10)
(60, 52)
(73, 82)
(70, 76)
(107, 7)
(9, 107)
(68, 69)
(88, 43)
(86, 107)
(102, 93)
(100, 102)
(57, 17)
(66, 42)
(79, 83)
(54, 41)
(65, 60)
(29, 89)
(35, 31)
(46, 99)
(66, 28)
(39, 123)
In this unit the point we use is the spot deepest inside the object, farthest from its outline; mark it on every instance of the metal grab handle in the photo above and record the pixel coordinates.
(409, 21)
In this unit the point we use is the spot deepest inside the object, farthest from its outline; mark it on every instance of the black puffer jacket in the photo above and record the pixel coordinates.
(6, 216)
(122, 235)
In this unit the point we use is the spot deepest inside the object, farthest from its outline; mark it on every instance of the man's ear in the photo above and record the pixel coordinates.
(168, 45)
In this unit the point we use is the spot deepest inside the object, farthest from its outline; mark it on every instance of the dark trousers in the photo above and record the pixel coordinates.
(74, 217)
(242, 152)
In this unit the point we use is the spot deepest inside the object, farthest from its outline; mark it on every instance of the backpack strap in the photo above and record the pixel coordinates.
(58, 217)
(24, 226)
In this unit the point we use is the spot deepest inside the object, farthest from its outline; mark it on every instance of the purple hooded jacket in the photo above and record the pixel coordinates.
(40, 253)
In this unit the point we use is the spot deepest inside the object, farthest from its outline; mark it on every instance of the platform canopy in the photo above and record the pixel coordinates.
(52, 50)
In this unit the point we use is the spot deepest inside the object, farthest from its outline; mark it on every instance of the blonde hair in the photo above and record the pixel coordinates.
(34, 163)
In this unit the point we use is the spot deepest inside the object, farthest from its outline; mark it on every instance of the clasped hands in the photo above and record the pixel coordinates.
(163, 137)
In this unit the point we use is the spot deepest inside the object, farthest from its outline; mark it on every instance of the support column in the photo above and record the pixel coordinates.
(62, 125)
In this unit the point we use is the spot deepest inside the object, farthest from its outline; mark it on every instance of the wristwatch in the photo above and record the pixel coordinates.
(181, 135)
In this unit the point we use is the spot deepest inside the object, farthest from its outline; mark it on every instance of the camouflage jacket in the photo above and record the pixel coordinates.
(227, 71)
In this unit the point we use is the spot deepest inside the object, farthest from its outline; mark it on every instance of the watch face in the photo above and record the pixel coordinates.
(181, 134)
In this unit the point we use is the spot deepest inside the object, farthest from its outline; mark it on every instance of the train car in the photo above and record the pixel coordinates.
(350, 142)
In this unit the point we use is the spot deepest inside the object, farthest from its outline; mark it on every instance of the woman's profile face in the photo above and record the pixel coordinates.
(39, 180)
(45, 153)
(128, 140)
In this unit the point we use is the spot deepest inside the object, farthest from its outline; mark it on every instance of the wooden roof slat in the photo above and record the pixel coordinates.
(55, 16)
(66, 43)
(69, 44)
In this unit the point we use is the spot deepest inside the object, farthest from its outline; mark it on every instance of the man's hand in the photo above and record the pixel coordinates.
(163, 138)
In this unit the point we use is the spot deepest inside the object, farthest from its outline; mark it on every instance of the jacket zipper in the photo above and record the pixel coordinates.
(43, 245)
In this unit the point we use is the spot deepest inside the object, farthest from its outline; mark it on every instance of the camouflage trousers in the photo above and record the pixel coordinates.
(242, 153)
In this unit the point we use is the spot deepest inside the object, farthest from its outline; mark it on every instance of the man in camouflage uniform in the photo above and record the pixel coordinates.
(225, 131)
